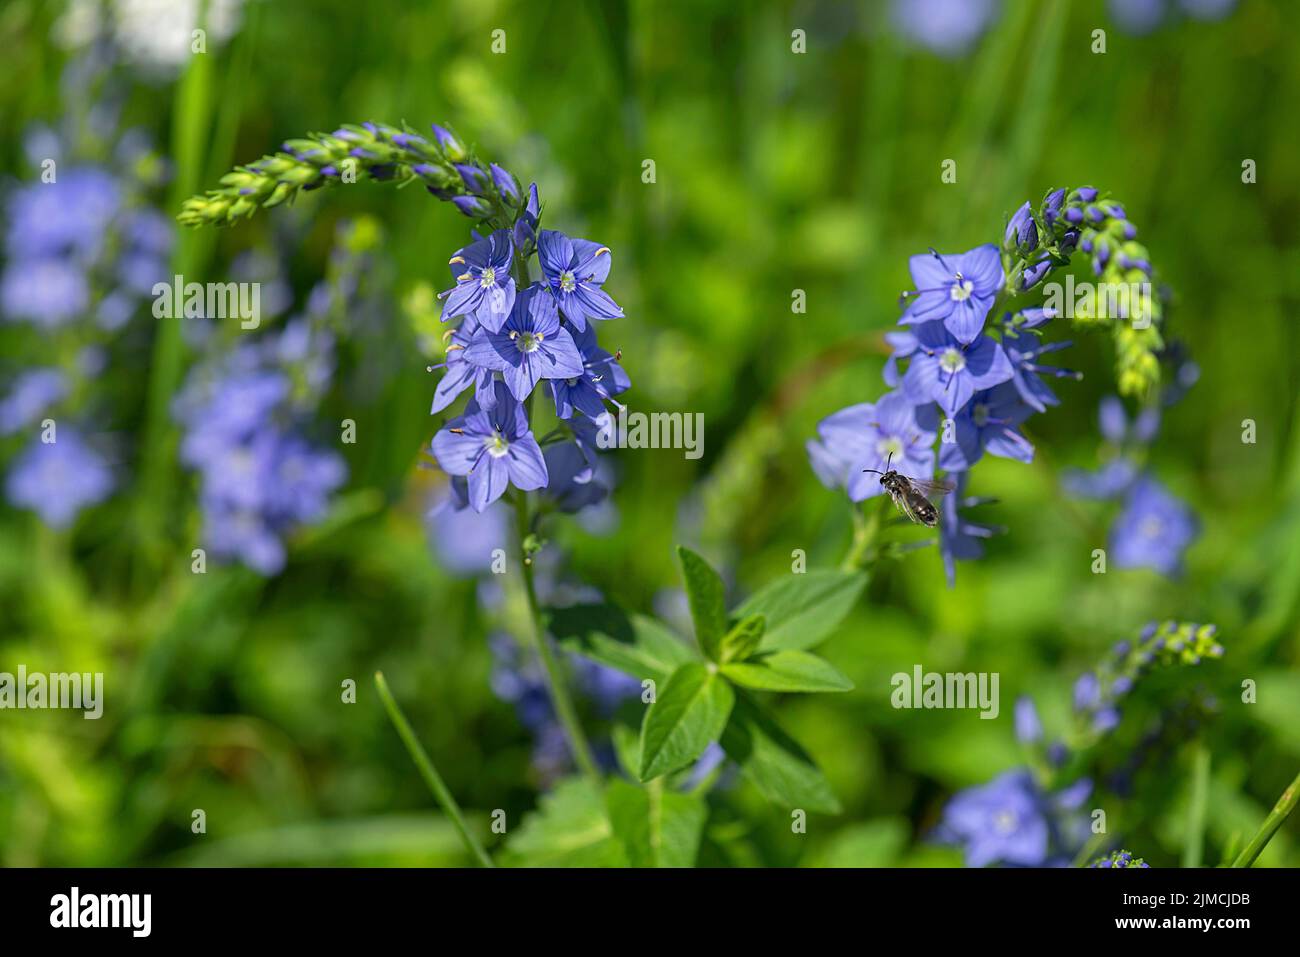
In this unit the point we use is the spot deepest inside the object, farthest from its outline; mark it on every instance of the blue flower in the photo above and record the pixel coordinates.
(46, 291)
(484, 286)
(959, 538)
(602, 378)
(946, 27)
(31, 394)
(1153, 530)
(571, 484)
(949, 372)
(958, 289)
(893, 430)
(531, 345)
(1002, 822)
(56, 480)
(460, 373)
(68, 217)
(1029, 729)
(988, 423)
(464, 539)
(1012, 821)
(1109, 482)
(574, 270)
(494, 448)
(1024, 351)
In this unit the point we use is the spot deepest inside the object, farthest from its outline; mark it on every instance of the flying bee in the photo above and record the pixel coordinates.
(910, 495)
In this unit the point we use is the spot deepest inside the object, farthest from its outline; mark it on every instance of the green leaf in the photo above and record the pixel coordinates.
(690, 711)
(773, 761)
(801, 610)
(787, 671)
(570, 828)
(742, 641)
(635, 644)
(707, 597)
(658, 827)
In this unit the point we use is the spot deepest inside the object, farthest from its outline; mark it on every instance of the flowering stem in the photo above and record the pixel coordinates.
(867, 523)
(429, 772)
(564, 708)
(1285, 805)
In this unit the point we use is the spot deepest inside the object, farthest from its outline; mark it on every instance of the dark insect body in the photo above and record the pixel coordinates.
(910, 495)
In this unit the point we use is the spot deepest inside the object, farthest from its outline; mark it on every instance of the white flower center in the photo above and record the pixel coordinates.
(496, 445)
(1005, 822)
(567, 282)
(952, 361)
(1151, 527)
(527, 341)
(890, 446)
(488, 277)
(961, 288)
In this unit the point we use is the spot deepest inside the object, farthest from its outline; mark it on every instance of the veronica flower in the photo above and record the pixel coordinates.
(959, 538)
(484, 286)
(902, 343)
(602, 378)
(493, 448)
(47, 291)
(949, 372)
(988, 423)
(1153, 530)
(571, 483)
(1108, 482)
(464, 539)
(56, 480)
(958, 289)
(31, 394)
(531, 345)
(574, 270)
(1012, 821)
(461, 374)
(894, 430)
(1021, 235)
(946, 27)
(1024, 351)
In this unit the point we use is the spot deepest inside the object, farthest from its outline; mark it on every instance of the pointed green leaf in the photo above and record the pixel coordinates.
(707, 597)
(658, 827)
(635, 644)
(742, 641)
(570, 828)
(801, 610)
(690, 711)
(787, 671)
(773, 761)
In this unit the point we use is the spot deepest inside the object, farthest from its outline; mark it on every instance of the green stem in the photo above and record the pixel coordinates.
(1285, 805)
(867, 523)
(1194, 841)
(564, 708)
(429, 772)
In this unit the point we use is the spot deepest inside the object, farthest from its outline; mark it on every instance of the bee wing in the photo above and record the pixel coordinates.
(905, 507)
(936, 489)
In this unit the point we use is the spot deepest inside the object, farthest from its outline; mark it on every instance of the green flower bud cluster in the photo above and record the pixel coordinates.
(379, 152)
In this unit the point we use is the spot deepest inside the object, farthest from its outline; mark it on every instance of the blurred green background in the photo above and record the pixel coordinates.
(775, 171)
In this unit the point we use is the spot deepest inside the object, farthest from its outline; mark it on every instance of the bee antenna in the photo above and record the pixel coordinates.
(889, 458)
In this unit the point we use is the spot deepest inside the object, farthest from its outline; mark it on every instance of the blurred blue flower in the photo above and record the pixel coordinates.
(946, 27)
(1029, 729)
(463, 539)
(47, 291)
(1153, 530)
(31, 393)
(959, 538)
(1011, 821)
(56, 480)
(68, 217)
